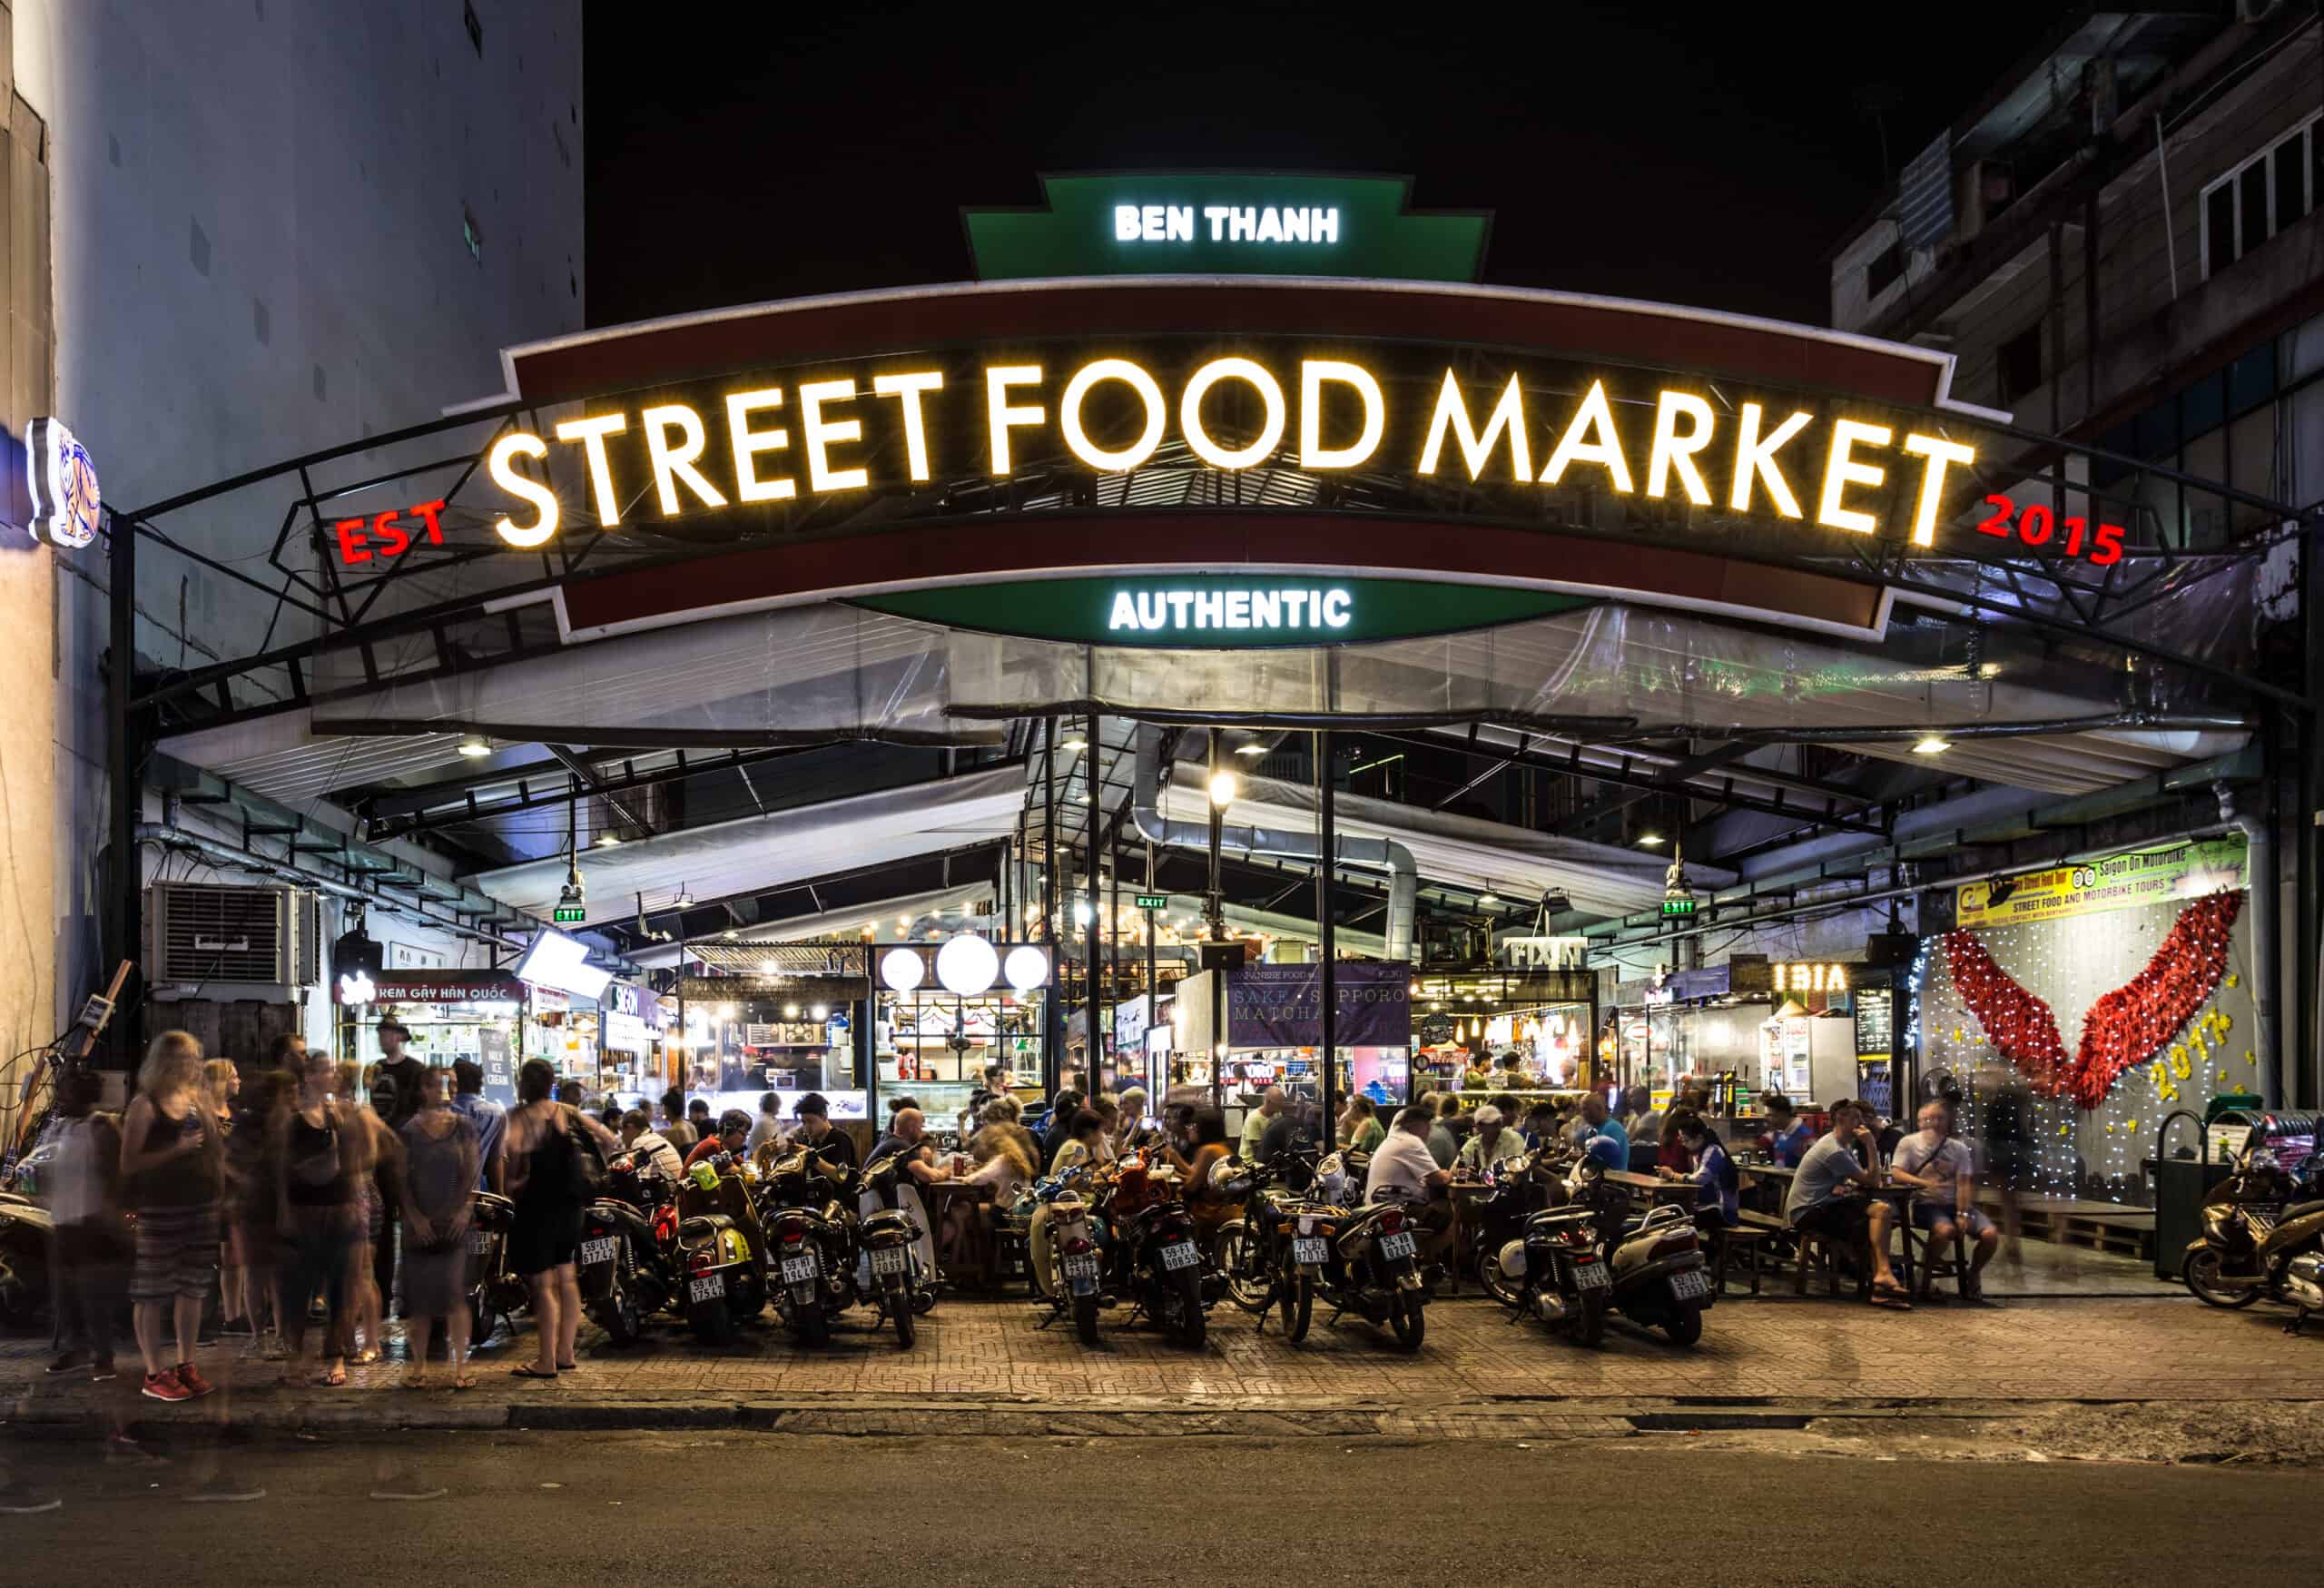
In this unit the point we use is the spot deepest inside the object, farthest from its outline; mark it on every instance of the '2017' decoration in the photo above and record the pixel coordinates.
(2123, 1028)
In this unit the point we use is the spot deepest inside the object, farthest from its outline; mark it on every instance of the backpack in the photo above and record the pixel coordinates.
(585, 1162)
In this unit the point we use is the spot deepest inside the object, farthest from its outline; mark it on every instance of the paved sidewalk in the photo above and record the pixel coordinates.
(1777, 1350)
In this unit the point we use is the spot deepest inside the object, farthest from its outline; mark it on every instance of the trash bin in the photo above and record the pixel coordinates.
(2181, 1184)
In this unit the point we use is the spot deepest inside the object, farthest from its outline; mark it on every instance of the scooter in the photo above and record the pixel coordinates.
(893, 1273)
(2263, 1235)
(723, 1250)
(1254, 1251)
(1550, 1269)
(1069, 1268)
(495, 1290)
(1659, 1277)
(1371, 1263)
(629, 1265)
(811, 1238)
(1521, 1187)
(1155, 1256)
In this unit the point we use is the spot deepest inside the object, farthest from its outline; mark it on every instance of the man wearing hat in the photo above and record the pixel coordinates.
(399, 1078)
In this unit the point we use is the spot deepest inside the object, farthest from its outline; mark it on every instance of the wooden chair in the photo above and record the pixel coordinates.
(1818, 1250)
(1926, 1262)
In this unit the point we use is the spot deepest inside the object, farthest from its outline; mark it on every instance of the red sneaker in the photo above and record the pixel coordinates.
(191, 1378)
(164, 1387)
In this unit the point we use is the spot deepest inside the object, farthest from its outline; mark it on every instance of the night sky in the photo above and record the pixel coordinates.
(1699, 154)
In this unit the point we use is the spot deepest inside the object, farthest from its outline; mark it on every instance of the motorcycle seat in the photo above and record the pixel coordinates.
(701, 1224)
(2300, 1210)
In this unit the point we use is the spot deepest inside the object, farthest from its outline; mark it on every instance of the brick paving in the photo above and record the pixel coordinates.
(975, 1351)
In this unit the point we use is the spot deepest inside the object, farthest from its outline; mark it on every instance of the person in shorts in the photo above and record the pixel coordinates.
(1826, 1198)
(173, 1168)
(1939, 1162)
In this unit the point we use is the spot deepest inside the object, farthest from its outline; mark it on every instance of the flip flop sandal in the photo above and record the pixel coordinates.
(1893, 1296)
(334, 1380)
(464, 1381)
(529, 1371)
(569, 1368)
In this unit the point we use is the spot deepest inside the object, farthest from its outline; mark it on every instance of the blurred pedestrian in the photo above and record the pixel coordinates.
(221, 1083)
(439, 1178)
(90, 1245)
(173, 1170)
(394, 1094)
(320, 1155)
(252, 1217)
(546, 1180)
(673, 1128)
(487, 1119)
(381, 1152)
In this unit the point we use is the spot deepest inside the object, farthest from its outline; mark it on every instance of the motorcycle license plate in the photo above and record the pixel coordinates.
(1308, 1249)
(1690, 1284)
(1399, 1245)
(891, 1259)
(799, 1270)
(706, 1287)
(1179, 1254)
(1591, 1275)
(1082, 1267)
(594, 1252)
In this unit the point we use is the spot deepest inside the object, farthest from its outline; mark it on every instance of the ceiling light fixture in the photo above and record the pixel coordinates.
(1222, 789)
(476, 744)
(1488, 901)
(1653, 840)
(1932, 745)
(608, 840)
(1254, 749)
(1075, 744)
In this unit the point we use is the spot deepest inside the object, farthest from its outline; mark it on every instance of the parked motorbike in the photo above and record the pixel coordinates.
(810, 1239)
(723, 1249)
(1540, 1256)
(1155, 1259)
(2263, 1235)
(893, 1275)
(629, 1267)
(494, 1289)
(1069, 1269)
(1659, 1277)
(1370, 1261)
(1256, 1254)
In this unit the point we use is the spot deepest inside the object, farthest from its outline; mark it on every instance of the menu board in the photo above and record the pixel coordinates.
(1875, 1023)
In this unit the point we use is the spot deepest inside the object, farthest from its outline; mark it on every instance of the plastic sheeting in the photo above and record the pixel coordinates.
(829, 671)
(1463, 851)
(758, 853)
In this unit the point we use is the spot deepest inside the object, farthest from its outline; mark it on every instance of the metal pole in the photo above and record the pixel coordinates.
(1113, 953)
(1327, 850)
(1052, 1004)
(122, 755)
(686, 1047)
(1152, 985)
(1090, 766)
(1214, 901)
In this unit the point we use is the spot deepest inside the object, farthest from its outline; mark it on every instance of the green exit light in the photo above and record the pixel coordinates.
(1154, 900)
(567, 914)
(1678, 906)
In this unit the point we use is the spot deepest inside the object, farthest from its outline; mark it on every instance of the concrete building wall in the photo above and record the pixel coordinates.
(29, 575)
(279, 225)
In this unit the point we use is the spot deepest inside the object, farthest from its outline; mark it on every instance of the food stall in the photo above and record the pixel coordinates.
(787, 1019)
(947, 1009)
(478, 1015)
(1546, 1017)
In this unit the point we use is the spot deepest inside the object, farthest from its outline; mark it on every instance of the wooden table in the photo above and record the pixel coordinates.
(1682, 1193)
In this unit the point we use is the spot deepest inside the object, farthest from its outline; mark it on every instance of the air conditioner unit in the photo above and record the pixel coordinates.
(217, 940)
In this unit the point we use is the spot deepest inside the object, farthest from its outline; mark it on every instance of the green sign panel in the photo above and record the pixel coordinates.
(1154, 900)
(1236, 223)
(564, 914)
(1221, 612)
(1678, 906)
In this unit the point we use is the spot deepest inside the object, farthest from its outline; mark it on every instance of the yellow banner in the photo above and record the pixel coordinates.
(2146, 876)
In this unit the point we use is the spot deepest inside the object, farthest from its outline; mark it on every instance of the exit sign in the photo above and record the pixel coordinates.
(1678, 906)
(569, 914)
(1154, 900)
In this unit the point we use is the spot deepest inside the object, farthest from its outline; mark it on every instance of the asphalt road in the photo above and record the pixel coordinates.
(631, 1508)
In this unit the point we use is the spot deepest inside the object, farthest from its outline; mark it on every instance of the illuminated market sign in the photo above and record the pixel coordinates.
(869, 430)
(1227, 223)
(1198, 611)
(1808, 978)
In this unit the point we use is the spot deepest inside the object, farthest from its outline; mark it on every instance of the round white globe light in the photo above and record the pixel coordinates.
(1027, 967)
(967, 964)
(901, 970)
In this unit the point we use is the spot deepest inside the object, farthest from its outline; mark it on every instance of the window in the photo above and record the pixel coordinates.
(2268, 193)
(1882, 272)
(2021, 363)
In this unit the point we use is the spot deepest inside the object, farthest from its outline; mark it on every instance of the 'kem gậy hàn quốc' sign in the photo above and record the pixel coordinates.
(778, 443)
